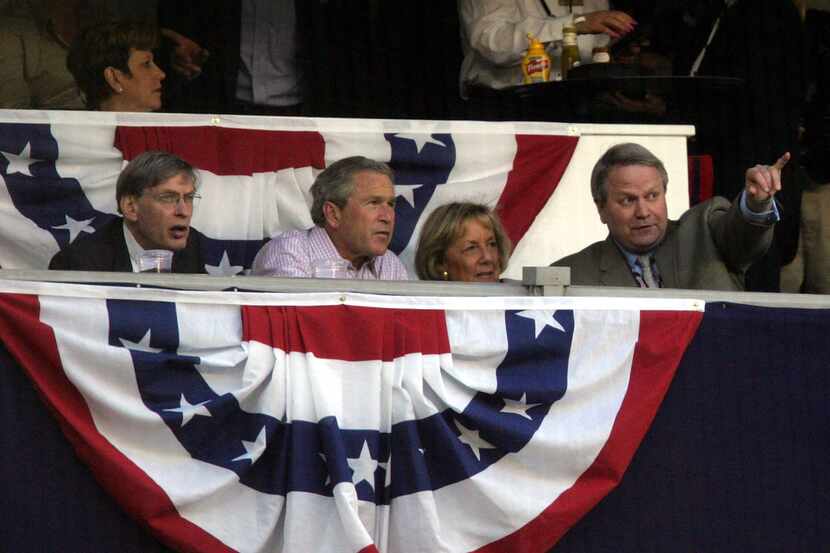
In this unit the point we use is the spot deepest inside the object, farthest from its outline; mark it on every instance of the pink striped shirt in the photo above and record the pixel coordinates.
(293, 254)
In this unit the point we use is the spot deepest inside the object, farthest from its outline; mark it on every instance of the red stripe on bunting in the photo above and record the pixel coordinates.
(663, 339)
(33, 345)
(348, 333)
(538, 167)
(225, 151)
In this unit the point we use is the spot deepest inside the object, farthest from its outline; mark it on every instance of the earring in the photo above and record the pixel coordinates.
(119, 90)
(446, 275)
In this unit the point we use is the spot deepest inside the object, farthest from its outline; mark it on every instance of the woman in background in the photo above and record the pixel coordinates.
(114, 67)
(462, 241)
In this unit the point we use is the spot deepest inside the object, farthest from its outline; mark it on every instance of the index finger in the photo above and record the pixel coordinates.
(782, 161)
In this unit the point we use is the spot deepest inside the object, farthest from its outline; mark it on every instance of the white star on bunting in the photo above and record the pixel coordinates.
(189, 410)
(421, 140)
(473, 439)
(224, 268)
(141, 345)
(407, 192)
(363, 467)
(20, 163)
(513, 407)
(541, 319)
(253, 449)
(76, 227)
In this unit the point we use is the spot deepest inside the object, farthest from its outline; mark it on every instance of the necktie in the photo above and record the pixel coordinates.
(644, 261)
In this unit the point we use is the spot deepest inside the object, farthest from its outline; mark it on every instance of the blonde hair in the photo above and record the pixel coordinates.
(444, 226)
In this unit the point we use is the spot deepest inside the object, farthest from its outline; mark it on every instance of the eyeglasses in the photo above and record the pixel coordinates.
(171, 198)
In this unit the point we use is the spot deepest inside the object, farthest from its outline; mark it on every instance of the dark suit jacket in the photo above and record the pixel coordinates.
(708, 248)
(106, 250)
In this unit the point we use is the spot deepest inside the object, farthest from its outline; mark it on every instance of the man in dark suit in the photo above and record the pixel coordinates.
(708, 248)
(155, 194)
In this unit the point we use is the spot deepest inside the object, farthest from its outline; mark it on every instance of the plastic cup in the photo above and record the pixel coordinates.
(155, 261)
(330, 268)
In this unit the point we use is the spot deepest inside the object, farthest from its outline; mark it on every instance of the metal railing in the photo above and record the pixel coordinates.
(537, 281)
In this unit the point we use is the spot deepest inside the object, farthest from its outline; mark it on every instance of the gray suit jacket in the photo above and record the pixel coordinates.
(708, 248)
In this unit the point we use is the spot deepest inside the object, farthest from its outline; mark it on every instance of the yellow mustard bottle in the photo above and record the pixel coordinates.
(536, 63)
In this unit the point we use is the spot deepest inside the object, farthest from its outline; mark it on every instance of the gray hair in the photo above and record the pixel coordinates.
(622, 155)
(149, 169)
(336, 183)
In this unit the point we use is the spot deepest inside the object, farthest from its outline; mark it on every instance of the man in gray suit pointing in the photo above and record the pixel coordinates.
(708, 248)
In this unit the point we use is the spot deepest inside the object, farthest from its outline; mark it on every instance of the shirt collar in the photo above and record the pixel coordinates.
(133, 247)
(631, 258)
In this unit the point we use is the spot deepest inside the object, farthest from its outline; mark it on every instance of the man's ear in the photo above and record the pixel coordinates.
(129, 207)
(600, 210)
(332, 214)
(113, 78)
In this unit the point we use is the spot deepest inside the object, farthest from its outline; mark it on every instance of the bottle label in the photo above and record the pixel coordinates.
(569, 39)
(537, 66)
(537, 69)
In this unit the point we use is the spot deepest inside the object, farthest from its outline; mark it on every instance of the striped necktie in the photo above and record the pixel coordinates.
(644, 261)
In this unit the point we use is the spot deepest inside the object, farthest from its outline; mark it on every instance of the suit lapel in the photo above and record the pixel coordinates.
(666, 258)
(189, 260)
(613, 268)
